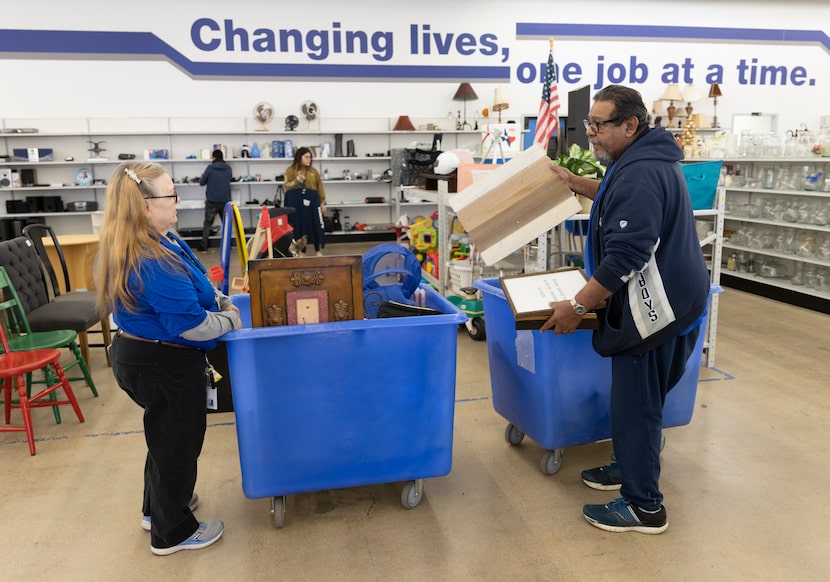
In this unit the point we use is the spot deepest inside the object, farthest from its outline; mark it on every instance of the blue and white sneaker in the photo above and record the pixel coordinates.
(621, 516)
(206, 534)
(147, 523)
(605, 478)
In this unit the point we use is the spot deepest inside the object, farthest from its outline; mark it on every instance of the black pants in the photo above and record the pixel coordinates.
(212, 209)
(169, 384)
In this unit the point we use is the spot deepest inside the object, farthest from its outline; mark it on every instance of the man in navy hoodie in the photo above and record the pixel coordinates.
(650, 279)
(217, 178)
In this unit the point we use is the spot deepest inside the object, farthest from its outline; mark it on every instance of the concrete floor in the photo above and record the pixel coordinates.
(744, 486)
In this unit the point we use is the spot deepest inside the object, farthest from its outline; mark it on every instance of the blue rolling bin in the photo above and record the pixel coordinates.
(344, 404)
(555, 388)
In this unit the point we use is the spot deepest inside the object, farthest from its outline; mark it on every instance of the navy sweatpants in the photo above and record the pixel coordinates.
(639, 385)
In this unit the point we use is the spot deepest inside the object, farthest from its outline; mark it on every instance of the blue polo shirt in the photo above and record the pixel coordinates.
(169, 302)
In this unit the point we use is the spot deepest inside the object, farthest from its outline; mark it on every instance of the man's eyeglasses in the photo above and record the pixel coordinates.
(173, 195)
(596, 125)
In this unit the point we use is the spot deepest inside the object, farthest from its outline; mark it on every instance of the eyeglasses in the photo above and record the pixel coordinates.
(173, 195)
(596, 125)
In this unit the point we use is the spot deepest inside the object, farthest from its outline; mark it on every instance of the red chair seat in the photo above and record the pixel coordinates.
(13, 367)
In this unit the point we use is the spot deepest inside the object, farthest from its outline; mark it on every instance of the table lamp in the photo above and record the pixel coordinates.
(403, 124)
(465, 93)
(671, 95)
(690, 94)
(500, 102)
(714, 93)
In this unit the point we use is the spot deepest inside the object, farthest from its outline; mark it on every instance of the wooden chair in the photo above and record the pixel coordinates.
(13, 367)
(22, 339)
(43, 313)
(36, 233)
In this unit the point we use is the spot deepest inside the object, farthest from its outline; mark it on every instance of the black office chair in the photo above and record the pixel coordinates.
(36, 233)
(24, 268)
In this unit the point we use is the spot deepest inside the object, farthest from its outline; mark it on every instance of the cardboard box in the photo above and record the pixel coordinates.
(514, 204)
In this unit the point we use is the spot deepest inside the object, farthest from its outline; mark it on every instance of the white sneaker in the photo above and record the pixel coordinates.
(205, 535)
(146, 522)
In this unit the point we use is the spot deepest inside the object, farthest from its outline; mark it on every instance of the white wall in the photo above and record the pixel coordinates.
(61, 85)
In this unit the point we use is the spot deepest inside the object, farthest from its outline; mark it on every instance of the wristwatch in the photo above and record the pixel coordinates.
(578, 307)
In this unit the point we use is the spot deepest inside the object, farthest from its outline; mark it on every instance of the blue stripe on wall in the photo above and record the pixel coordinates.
(145, 45)
(527, 30)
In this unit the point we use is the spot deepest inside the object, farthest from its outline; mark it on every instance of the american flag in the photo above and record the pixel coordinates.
(547, 122)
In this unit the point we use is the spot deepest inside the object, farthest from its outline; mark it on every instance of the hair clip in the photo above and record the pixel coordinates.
(133, 175)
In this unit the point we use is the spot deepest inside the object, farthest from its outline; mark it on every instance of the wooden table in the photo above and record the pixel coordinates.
(79, 250)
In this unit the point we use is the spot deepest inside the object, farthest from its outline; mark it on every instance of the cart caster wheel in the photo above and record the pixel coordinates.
(412, 493)
(278, 511)
(551, 462)
(476, 329)
(513, 435)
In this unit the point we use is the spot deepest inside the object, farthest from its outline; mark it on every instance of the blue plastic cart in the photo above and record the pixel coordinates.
(344, 404)
(555, 388)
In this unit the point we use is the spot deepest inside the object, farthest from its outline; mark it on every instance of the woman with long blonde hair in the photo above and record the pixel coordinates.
(168, 315)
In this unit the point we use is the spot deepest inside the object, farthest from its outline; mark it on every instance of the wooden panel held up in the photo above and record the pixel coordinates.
(513, 205)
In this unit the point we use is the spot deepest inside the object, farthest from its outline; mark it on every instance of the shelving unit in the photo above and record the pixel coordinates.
(187, 142)
(778, 242)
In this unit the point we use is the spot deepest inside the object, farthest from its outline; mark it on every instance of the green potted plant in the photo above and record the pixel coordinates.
(582, 163)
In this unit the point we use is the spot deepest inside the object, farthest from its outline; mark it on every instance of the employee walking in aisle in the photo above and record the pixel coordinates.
(217, 177)
(168, 315)
(649, 274)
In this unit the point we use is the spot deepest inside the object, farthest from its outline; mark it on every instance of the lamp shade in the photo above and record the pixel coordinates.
(658, 108)
(465, 93)
(672, 93)
(403, 124)
(714, 90)
(691, 94)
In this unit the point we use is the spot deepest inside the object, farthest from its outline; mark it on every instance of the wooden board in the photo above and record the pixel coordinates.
(514, 205)
(305, 290)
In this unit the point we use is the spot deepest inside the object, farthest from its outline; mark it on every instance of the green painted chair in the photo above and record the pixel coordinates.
(22, 339)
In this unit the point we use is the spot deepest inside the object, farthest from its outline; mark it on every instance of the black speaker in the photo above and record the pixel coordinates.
(27, 177)
(579, 103)
(6, 229)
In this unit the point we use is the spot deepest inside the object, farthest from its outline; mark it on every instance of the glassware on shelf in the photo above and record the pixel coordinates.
(769, 177)
(810, 272)
(786, 179)
(746, 149)
(824, 142)
(807, 246)
(798, 273)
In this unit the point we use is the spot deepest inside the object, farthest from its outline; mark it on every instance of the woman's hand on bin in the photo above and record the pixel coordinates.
(238, 315)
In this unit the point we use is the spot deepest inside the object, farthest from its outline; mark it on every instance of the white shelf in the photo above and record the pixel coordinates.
(748, 194)
(795, 225)
(186, 139)
(762, 191)
(777, 254)
(779, 283)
